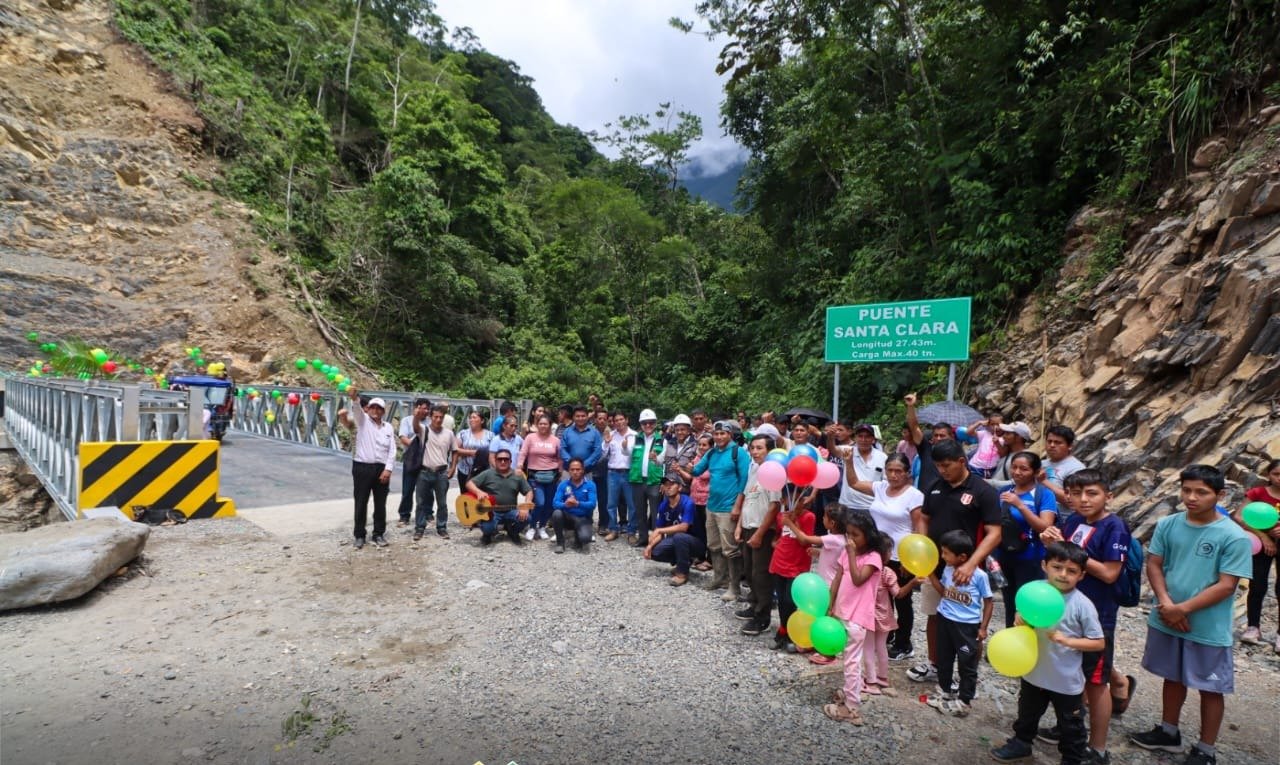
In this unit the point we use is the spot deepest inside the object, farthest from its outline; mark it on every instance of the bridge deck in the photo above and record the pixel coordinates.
(292, 489)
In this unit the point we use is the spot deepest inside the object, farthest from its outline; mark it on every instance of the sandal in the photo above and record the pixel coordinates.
(679, 579)
(702, 565)
(842, 713)
(1118, 705)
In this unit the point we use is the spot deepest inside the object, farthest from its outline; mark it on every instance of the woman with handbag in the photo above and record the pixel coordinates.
(540, 459)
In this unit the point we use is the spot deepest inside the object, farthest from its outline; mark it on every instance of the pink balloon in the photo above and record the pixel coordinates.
(1255, 543)
(772, 476)
(828, 475)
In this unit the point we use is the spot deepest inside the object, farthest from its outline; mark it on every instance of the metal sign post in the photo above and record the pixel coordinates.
(835, 396)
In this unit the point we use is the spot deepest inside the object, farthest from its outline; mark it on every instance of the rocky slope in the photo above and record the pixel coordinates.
(105, 231)
(1174, 356)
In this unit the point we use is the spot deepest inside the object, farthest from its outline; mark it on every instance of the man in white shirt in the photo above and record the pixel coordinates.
(371, 464)
(863, 463)
(618, 444)
(439, 461)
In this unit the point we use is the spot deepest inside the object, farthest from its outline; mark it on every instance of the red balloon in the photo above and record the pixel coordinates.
(315, 396)
(802, 470)
(109, 367)
(292, 398)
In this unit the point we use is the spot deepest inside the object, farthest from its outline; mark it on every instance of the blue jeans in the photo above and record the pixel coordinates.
(543, 495)
(645, 499)
(508, 518)
(433, 486)
(408, 485)
(619, 490)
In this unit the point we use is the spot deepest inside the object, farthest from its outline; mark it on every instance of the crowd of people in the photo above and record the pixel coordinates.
(686, 492)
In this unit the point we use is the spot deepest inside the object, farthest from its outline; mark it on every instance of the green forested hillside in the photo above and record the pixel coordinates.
(466, 242)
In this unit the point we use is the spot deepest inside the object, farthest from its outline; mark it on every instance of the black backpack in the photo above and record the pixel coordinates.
(1012, 538)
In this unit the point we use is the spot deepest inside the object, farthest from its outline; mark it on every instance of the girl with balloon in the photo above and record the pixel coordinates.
(1258, 518)
(895, 508)
(853, 602)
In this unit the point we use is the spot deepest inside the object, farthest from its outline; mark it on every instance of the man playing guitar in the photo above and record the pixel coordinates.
(506, 486)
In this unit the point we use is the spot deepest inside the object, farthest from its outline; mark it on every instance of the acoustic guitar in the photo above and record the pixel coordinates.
(471, 510)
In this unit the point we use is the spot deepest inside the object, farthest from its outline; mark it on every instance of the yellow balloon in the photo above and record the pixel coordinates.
(918, 554)
(339, 379)
(1013, 652)
(798, 629)
(270, 417)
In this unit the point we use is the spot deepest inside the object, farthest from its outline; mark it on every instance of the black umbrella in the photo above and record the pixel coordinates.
(953, 413)
(814, 414)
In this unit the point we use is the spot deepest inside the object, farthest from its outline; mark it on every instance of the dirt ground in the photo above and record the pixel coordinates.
(229, 644)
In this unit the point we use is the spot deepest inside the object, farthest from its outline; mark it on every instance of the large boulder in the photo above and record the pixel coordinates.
(64, 560)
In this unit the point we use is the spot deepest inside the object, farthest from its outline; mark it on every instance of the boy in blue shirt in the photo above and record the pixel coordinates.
(1194, 562)
(1105, 539)
(1056, 678)
(672, 540)
(963, 615)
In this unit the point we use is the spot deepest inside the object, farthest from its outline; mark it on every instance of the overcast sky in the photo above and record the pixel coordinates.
(594, 60)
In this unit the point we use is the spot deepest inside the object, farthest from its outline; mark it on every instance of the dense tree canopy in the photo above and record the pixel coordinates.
(468, 243)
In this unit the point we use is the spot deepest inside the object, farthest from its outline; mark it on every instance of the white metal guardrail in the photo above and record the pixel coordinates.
(313, 420)
(48, 419)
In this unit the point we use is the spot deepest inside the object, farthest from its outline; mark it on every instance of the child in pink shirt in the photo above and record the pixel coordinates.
(829, 552)
(853, 601)
(876, 657)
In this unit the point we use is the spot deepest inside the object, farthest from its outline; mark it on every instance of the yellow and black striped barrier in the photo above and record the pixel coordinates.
(171, 475)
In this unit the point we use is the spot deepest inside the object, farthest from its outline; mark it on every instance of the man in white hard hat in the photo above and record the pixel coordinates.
(645, 478)
(372, 460)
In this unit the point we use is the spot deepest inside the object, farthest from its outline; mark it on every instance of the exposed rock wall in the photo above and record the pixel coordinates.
(24, 504)
(106, 231)
(1174, 357)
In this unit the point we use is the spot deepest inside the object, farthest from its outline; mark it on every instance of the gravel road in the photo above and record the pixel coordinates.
(229, 644)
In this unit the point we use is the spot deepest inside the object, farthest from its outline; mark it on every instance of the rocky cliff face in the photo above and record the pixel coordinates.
(106, 232)
(1173, 357)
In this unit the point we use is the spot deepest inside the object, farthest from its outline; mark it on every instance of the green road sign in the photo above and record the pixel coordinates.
(920, 330)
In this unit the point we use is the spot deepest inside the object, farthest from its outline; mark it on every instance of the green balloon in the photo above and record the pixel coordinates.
(1260, 516)
(33, 336)
(330, 375)
(343, 386)
(199, 362)
(1040, 604)
(317, 363)
(276, 394)
(148, 371)
(811, 594)
(828, 635)
(300, 363)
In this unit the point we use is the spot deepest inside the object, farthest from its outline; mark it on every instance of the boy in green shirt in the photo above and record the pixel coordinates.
(1194, 563)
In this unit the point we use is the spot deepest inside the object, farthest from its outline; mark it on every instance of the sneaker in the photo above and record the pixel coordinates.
(1157, 740)
(1013, 750)
(1049, 735)
(938, 700)
(403, 522)
(516, 539)
(901, 654)
(379, 540)
(530, 533)
(358, 543)
(1094, 757)
(955, 708)
(745, 613)
(559, 549)
(1198, 756)
(442, 533)
(1251, 636)
(417, 534)
(924, 672)
(542, 534)
(755, 628)
(486, 540)
(612, 535)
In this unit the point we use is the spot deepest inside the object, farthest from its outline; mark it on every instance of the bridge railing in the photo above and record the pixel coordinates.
(48, 419)
(314, 419)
